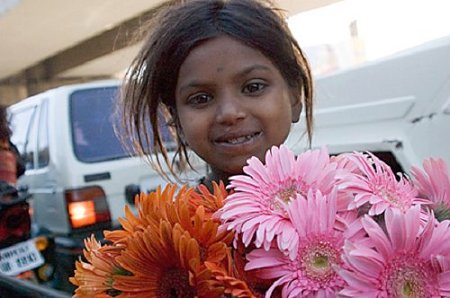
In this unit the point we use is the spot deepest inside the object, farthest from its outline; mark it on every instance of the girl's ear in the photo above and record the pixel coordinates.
(296, 107)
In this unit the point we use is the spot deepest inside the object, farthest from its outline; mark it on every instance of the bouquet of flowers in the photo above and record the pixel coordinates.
(312, 225)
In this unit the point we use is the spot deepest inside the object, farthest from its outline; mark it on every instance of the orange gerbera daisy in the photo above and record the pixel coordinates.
(165, 246)
(165, 262)
(210, 201)
(151, 208)
(177, 207)
(233, 286)
(204, 229)
(95, 277)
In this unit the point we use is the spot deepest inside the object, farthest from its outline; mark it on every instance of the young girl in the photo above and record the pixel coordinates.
(229, 77)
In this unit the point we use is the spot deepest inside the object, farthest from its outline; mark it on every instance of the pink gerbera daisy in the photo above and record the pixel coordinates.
(377, 186)
(408, 260)
(257, 207)
(313, 272)
(434, 184)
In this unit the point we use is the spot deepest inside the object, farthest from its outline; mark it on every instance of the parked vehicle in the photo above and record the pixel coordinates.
(20, 255)
(397, 107)
(77, 171)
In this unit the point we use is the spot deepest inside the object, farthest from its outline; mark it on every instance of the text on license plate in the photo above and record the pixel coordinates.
(20, 257)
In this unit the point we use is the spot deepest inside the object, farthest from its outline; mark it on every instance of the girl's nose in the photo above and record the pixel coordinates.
(229, 110)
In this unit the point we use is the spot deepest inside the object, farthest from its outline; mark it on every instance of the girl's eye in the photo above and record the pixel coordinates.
(254, 88)
(199, 99)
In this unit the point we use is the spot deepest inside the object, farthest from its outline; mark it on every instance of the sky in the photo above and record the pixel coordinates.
(385, 26)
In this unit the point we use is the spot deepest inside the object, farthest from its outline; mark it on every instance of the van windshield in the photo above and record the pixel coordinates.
(92, 121)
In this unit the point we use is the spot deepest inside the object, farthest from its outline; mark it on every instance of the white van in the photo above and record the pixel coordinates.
(397, 107)
(77, 171)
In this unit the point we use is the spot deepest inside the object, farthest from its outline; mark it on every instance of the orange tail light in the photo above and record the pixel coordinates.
(87, 206)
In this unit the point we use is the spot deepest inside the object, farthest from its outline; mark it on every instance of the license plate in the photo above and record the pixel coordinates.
(19, 258)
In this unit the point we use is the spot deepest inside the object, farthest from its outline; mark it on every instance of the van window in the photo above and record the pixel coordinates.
(91, 112)
(24, 132)
(92, 131)
(42, 145)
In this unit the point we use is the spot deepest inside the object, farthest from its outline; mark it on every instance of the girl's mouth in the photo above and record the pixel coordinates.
(238, 140)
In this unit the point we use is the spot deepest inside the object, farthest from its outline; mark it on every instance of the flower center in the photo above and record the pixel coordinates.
(408, 282)
(283, 196)
(408, 289)
(175, 284)
(287, 193)
(407, 277)
(393, 197)
(320, 261)
(317, 259)
(389, 196)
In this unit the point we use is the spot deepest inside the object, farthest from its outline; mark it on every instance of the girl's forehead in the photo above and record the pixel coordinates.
(222, 42)
(218, 51)
(223, 60)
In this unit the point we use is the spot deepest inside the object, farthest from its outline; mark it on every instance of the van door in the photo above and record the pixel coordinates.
(30, 134)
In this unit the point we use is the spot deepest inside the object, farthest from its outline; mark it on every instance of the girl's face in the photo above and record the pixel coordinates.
(232, 103)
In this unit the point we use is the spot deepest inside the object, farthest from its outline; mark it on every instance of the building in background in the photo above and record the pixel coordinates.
(350, 32)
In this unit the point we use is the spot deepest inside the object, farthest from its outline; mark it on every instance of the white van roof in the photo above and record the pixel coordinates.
(37, 97)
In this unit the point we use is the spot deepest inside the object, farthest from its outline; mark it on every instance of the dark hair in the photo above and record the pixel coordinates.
(5, 130)
(149, 88)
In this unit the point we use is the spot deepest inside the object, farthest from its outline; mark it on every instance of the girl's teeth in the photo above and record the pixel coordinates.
(239, 140)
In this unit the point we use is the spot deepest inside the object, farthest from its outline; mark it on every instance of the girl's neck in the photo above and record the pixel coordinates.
(217, 176)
